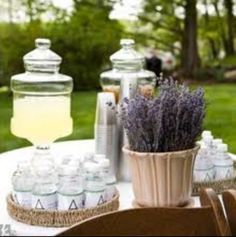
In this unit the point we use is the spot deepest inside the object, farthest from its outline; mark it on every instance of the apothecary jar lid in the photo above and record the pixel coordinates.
(42, 58)
(42, 72)
(127, 57)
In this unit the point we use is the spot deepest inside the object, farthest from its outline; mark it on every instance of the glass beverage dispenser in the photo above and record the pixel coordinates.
(42, 103)
(127, 77)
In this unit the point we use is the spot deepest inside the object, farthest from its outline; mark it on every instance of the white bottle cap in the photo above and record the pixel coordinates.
(68, 170)
(98, 157)
(44, 170)
(71, 160)
(88, 156)
(203, 146)
(222, 147)
(24, 164)
(217, 141)
(208, 139)
(206, 133)
(92, 167)
(104, 163)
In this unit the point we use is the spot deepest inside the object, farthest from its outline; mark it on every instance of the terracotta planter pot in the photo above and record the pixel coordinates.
(162, 179)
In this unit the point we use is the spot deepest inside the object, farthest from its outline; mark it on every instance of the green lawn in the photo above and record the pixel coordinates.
(221, 116)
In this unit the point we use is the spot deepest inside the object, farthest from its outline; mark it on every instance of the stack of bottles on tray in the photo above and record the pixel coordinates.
(75, 184)
(213, 163)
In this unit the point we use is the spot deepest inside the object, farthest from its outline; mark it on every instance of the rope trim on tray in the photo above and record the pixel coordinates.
(57, 218)
(218, 186)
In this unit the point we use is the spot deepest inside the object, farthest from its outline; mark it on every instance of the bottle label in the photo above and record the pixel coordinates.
(203, 175)
(22, 198)
(110, 192)
(94, 199)
(70, 203)
(47, 202)
(224, 172)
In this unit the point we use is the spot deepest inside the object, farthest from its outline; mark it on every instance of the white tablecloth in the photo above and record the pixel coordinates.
(8, 162)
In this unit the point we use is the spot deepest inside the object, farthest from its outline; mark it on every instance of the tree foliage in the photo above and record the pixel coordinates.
(191, 29)
(85, 39)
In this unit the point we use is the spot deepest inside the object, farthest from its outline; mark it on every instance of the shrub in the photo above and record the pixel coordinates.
(85, 40)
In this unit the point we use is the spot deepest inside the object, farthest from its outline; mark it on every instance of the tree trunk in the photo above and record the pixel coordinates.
(190, 57)
(230, 27)
(10, 11)
(221, 28)
(212, 45)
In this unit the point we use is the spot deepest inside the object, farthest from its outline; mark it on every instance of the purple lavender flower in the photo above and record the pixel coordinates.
(171, 121)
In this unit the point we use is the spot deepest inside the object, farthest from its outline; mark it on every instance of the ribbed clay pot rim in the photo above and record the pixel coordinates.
(126, 150)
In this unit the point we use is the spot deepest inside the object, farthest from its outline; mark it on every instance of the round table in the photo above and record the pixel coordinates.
(8, 162)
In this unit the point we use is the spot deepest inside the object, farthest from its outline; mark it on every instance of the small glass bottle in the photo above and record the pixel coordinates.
(214, 152)
(206, 133)
(72, 160)
(204, 168)
(207, 140)
(22, 184)
(224, 165)
(94, 185)
(44, 193)
(70, 191)
(109, 177)
(88, 157)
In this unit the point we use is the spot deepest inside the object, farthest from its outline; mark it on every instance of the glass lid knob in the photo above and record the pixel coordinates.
(127, 57)
(42, 58)
(127, 43)
(43, 43)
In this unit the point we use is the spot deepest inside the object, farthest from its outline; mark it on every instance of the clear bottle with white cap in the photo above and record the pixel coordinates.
(44, 192)
(22, 184)
(95, 185)
(70, 192)
(109, 177)
(224, 166)
(89, 156)
(214, 152)
(204, 168)
(207, 140)
(206, 133)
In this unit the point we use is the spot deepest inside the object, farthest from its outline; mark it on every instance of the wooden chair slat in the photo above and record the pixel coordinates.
(229, 199)
(208, 197)
(208, 220)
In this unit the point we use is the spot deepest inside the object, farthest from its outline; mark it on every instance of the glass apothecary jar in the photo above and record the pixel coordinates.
(42, 100)
(128, 73)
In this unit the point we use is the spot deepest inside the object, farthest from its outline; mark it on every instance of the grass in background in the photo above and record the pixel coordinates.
(221, 113)
(220, 119)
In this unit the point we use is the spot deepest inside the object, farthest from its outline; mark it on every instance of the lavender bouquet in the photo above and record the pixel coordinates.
(171, 121)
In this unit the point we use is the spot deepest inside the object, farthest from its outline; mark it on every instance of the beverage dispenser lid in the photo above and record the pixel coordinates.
(42, 58)
(127, 56)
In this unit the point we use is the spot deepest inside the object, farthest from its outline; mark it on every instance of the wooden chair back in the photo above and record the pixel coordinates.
(208, 197)
(204, 221)
(229, 199)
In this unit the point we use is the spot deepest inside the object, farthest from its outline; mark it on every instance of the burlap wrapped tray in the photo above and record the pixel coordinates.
(57, 218)
(218, 186)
